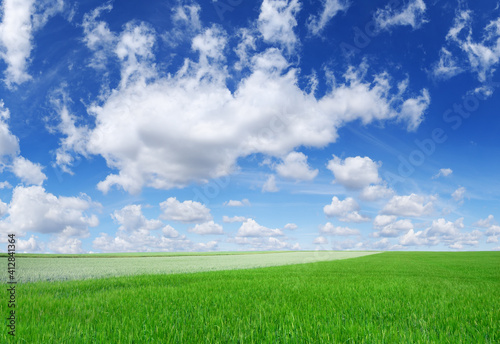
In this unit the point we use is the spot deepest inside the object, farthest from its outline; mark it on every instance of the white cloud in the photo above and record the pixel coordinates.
(265, 243)
(227, 219)
(493, 230)
(485, 222)
(28, 172)
(412, 14)
(444, 172)
(250, 228)
(277, 21)
(186, 23)
(141, 241)
(408, 206)
(3, 208)
(290, 226)
(136, 233)
(388, 226)
(447, 66)
(458, 194)
(294, 166)
(139, 125)
(98, 37)
(131, 219)
(355, 172)
(346, 210)
(20, 19)
(412, 238)
(187, 211)
(270, 184)
(442, 232)
(9, 143)
(321, 240)
(375, 192)
(316, 24)
(330, 229)
(32, 209)
(206, 228)
(480, 57)
(5, 185)
(31, 245)
(235, 203)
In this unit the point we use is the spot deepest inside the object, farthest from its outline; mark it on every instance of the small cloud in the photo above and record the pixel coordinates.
(290, 226)
(412, 14)
(270, 184)
(207, 228)
(227, 219)
(5, 185)
(233, 203)
(458, 194)
(485, 223)
(444, 172)
(321, 240)
(330, 229)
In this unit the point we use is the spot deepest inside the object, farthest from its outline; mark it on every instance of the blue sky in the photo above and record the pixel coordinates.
(239, 125)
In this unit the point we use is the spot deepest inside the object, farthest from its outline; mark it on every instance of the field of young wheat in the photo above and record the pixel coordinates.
(391, 297)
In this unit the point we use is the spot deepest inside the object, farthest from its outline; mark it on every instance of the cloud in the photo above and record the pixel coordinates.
(270, 184)
(32, 209)
(187, 211)
(131, 219)
(233, 203)
(355, 172)
(5, 185)
(492, 234)
(186, 23)
(31, 245)
(98, 37)
(346, 210)
(20, 19)
(485, 222)
(250, 228)
(330, 229)
(412, 14)
(136, 233)
(227, 219)
(207, 228)
(277, 21)
(444, 172)
(28, 172)
(462, 53)
(321, 240)
(316, 24)
(294, 166)
(447, 66)
(140, 124)
(458, 194)
(408, 206)
(265, 243)
(375, 192)
(442, 232)
(290, 226)
(9, 143)
(388, 226)
(141, 241)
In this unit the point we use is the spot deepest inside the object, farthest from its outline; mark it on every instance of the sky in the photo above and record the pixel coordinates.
(237, 125)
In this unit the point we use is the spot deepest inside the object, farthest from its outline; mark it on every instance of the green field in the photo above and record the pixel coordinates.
(391, 297)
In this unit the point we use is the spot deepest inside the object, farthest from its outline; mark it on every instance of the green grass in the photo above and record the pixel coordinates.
(393, 297)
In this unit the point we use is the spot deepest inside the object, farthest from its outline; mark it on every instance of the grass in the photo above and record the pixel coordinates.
(392, 297)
